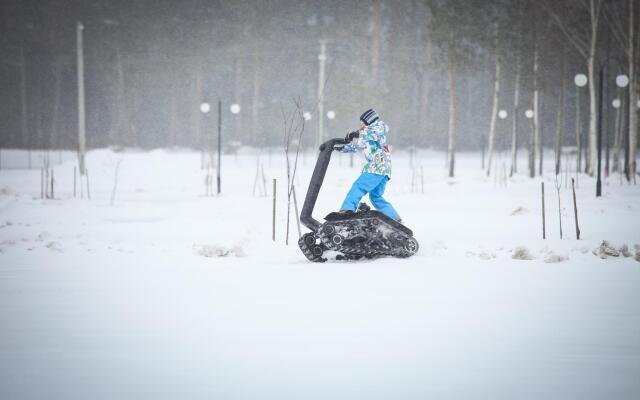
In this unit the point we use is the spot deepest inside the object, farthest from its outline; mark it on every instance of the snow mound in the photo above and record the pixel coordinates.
(521, 253)
(624, 250)
(551, 257)
(211, 251)
(606, 249)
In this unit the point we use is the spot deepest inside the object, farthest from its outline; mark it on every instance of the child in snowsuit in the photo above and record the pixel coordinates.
(371, 138)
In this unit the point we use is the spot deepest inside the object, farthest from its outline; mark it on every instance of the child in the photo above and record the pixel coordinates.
(371, 138)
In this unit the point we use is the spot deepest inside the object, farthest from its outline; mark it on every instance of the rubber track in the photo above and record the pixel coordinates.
(306, 250)
(383, 247)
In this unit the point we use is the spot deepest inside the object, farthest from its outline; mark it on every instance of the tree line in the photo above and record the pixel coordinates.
(442, 73)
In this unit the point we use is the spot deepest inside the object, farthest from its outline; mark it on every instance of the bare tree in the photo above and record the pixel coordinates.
(617, 141)
(451, 71)
(578, 132)
(294, 124)
(457, 30)
(617, 17)
(515, 113)
(540, 146)
(24, 103)
(583, 37)
(119, 119)
(494, 109)
(560, 117)
(534, 151)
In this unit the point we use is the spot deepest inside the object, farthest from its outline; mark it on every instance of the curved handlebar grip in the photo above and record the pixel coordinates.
(332, 143)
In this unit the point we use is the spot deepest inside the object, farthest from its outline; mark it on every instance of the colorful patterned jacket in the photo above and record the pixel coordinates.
(373, 142)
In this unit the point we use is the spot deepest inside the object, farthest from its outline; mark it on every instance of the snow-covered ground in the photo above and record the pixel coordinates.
(169, 293)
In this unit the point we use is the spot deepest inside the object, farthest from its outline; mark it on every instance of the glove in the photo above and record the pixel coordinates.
(351, 135)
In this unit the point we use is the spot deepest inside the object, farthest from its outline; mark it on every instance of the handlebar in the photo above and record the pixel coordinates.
(332, 143)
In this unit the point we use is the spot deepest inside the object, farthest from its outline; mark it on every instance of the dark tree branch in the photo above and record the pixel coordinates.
(580, 44)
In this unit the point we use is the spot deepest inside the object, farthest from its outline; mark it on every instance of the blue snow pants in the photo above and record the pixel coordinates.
(373, 184)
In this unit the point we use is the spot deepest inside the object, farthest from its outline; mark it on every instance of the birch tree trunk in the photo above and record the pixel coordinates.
(55, 139)
(424, 103)
(578, 132)
(494, 115)
(618, 133)
(375, 39)
(514, 128)
(424, 92)
(196, 115)
(24, 112)
(532, 155)
(172, 134)
(536, 119)
(540, 147)
(120, 124)
(587, 48)
(591, 159)
(560, 118)
(255, 104)
(633, 94)
(452, 111)
(82, 139)
(237, 93)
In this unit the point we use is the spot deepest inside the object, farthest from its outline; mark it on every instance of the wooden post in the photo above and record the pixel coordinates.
(273, 222)
(52, 180)
(86, 172)
(575, 209)
(544, 236)
(42, 183)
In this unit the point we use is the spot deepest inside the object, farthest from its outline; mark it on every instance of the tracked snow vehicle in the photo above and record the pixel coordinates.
(365, 233)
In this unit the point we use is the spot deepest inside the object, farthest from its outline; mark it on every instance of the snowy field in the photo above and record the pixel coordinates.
(168, 293)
